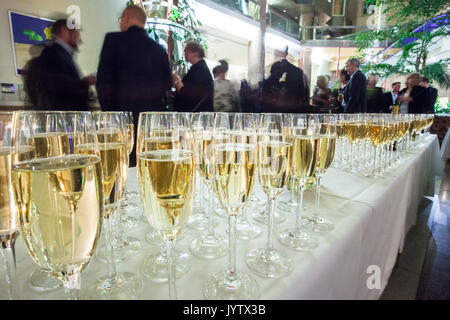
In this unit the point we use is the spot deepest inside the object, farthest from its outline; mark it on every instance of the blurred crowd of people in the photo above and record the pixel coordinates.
(134, 74)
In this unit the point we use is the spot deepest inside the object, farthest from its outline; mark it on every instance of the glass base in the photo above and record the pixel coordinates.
(221, 212)
(298, 239)
(223, 286)
(209, 247)
(317, 223)
(154, 237)
(41, 280)
(199, 222)
(128, 223)
(263, 216)
(124, 249)
(269, 263)
(289, 206)
(124, 286)
(245, 230)
(155, 267)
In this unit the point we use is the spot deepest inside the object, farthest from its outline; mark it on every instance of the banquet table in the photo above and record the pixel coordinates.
(371, 217)
(445, 149)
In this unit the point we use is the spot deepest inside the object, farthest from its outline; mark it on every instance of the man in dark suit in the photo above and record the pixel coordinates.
(59, 79)
(390, 98)
(133, 72)
(286, 89)
(432, 95)
(355, 91)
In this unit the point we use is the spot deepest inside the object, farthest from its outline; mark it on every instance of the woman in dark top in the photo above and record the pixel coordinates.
(195, 91)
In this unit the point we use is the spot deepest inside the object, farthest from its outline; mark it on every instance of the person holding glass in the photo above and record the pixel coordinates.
(195, 92)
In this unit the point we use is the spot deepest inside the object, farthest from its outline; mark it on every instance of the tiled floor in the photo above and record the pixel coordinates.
(423, 269)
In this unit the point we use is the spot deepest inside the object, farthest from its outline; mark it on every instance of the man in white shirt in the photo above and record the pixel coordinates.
(390, 98)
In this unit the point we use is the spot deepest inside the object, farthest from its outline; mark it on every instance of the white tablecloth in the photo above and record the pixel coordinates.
(445, 150)
(371, 218)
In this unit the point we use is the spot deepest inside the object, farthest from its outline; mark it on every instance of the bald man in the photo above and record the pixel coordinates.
(133, 72)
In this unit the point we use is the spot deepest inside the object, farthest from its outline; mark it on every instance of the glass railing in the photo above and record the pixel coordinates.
(332, 32)
(290, 26)
(274, 20)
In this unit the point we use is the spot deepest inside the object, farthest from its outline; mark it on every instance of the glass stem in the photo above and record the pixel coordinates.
(109, 234)
(318, 178)
(270, 223)
(170, 243)
(210, 211)
(352, 154)
(232, 242)
(301, 188)
(8, 259)
(374, 171)
(72, 285)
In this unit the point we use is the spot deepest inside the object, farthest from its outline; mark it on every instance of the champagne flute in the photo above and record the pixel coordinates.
(246, 230)
(124, 246)
(127, 204)
(57, 191)
(325, 155)
(376, 137)
(274, 165)
(200, 219)
(234, 169)
(166, 180)
(304, 154)
(8, 214)
(210, 245)
(111, 134)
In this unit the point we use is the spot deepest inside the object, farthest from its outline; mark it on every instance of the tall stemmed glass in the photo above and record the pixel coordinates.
(376, 133)
(234, 169)
(127, 204)
(166, 180)
(8, 214)
(112, 143)
(305, 149)
(325, 155)
(210, 245)
(200, 219)
(57, 191)
(274, 165)
(125, 247)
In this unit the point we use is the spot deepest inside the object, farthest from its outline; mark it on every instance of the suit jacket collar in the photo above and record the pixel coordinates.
(136, 29)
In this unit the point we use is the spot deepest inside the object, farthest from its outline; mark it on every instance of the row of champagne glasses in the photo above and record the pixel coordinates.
(273, 145)
(66, 172)
(228, 149)
(371, 144)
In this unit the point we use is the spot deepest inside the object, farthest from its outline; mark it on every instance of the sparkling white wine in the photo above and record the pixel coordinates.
(161, 143)
(60, 205)
(167, 185)
(340, 129)
(274, 166)
(327, 146)
(113, 161)
(203, 161)
(376, 134)
(7, 214)
(355, 131)
(51, 144)
(304, 157)
(130, 137)
(234, 170)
